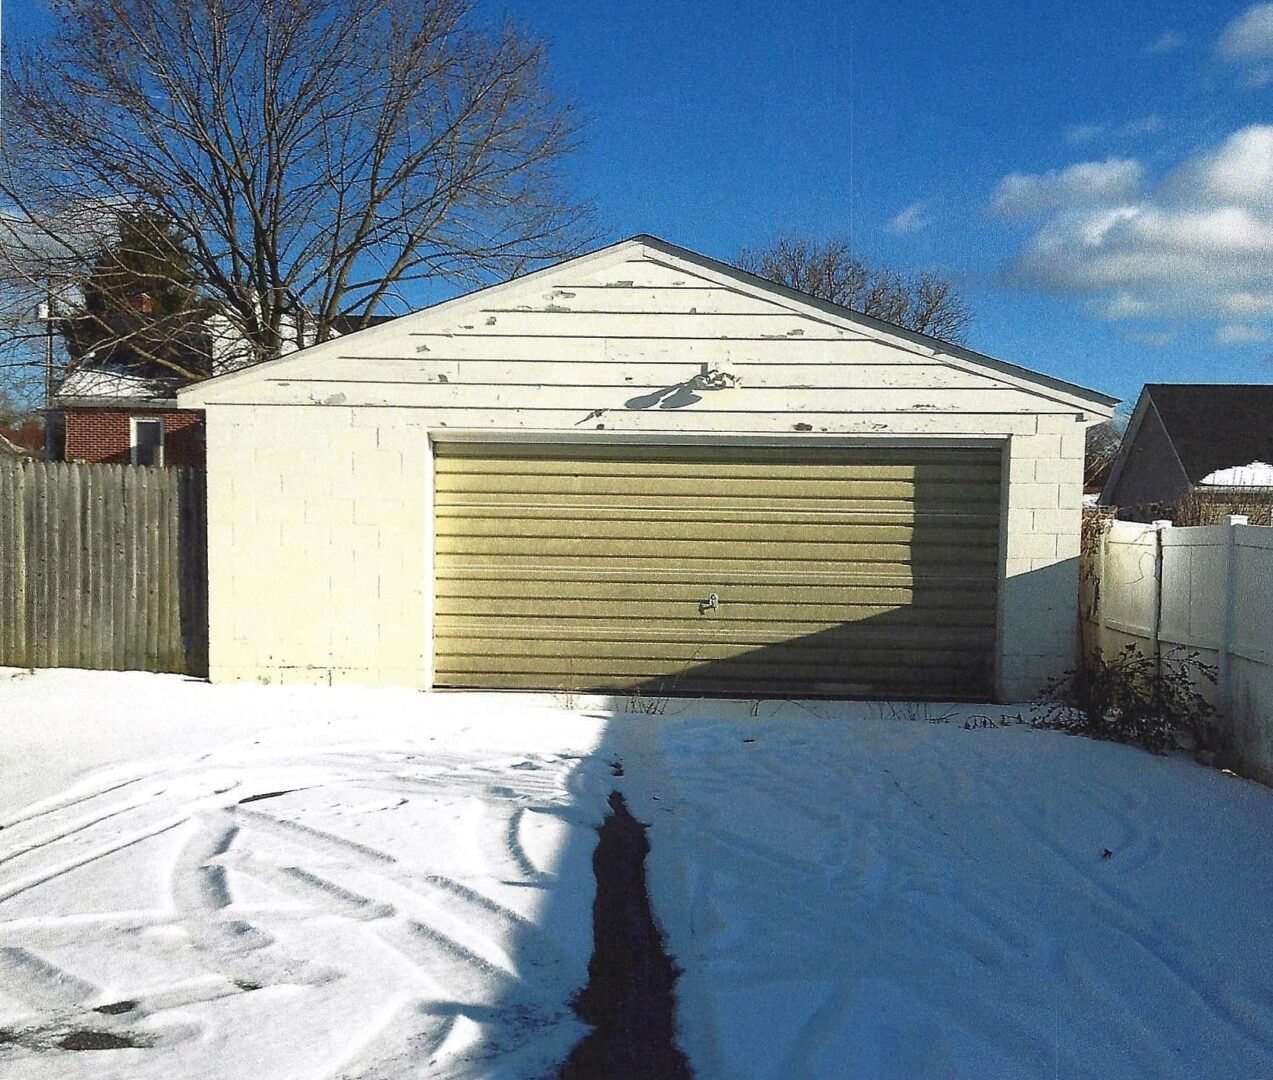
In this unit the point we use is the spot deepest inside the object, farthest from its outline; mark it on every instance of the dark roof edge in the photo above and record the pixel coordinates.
(122, 404)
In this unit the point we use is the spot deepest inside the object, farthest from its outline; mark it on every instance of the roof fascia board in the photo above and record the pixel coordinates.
(1143, 405)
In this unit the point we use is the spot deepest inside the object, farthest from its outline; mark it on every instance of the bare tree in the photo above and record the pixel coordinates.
(925, 302)
(315, 156)
(1103, 443)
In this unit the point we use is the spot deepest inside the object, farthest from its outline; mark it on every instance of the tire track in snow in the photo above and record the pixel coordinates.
(477, 914)
(318, 838)
(393, 1046)
(1121, 913)
(52, 806)
(468, 946)
(72, 829)
(42, 983)
(329, 896)
(21, 885)
(235, 947)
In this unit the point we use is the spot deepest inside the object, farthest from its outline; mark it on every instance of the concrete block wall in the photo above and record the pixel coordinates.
(323, 574)
(319, 574)
(1038, 605)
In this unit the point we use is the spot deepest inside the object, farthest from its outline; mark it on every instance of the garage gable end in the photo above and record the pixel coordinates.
(643, 327)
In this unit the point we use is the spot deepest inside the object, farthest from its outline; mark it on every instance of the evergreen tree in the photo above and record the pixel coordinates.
(142, 312)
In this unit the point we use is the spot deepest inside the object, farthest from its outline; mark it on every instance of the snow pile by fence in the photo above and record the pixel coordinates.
(1207, 589)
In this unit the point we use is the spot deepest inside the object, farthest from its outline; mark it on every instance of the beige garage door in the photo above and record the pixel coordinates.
(849, 572)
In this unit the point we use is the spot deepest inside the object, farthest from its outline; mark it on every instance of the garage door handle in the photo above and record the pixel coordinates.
(710, 604)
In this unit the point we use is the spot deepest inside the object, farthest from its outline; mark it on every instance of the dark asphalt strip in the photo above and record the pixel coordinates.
(629, 997)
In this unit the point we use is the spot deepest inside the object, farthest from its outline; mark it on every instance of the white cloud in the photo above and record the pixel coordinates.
(910, 219)
(1198, 242)
(1146, 125)
(1022, 196)
(1078, 133)
(1153, 339)
(1241, 171)
(1131, 129)
(1167, 41)
(1240, 334)
(1249, 37)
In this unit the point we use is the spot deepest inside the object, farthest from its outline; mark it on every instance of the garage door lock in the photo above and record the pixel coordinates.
(710, 604)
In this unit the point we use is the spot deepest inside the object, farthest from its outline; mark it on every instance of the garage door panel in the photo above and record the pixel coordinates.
(848, 572)
(706, 502)
(915, 553)
(473, 597)
(689, 530)
(491, 578)
(656, 486)
(786, 465)
(735, 614)
(901, 686)
(565, 456)
(949, 647)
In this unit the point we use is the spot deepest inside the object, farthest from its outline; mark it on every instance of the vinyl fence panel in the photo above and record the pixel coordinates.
(1205, 589)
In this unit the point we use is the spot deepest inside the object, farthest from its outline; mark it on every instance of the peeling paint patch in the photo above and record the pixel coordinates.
(802, 427)
(422, 349)
(795, 333)
(491, 320)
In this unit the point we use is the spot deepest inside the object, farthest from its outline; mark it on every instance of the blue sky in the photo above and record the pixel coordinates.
(719, 124)
(1096, 177)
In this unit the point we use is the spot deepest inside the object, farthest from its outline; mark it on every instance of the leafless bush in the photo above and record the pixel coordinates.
(1213, 507)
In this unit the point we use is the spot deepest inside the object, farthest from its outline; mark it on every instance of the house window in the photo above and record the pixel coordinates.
(147, 441)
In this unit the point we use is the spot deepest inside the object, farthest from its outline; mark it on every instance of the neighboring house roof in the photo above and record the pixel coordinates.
(1215, 426)
(957, 355)
(96, 387)
(130, 339)
(350, 324)
(1193, 431)
(95, 384)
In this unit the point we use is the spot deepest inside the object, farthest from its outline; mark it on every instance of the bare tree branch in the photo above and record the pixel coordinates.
(314, 156)
(830, 271)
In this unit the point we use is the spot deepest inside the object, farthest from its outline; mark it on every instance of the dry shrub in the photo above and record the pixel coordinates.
(1213, 507)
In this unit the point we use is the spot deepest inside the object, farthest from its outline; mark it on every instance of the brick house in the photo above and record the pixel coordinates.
(131, 417)
(116, 418)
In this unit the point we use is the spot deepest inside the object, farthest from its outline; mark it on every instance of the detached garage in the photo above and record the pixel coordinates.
(645, 470)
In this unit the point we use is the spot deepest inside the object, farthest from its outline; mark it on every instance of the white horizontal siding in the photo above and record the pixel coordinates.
(609, 346)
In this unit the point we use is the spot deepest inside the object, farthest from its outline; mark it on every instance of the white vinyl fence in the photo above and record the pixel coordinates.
(1205, 589)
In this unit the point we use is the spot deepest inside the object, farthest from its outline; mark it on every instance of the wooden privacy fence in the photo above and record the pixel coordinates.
(103, 566)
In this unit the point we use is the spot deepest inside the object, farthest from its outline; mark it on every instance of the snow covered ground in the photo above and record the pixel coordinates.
(285, 882)
(257, 882)
(894, 899)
